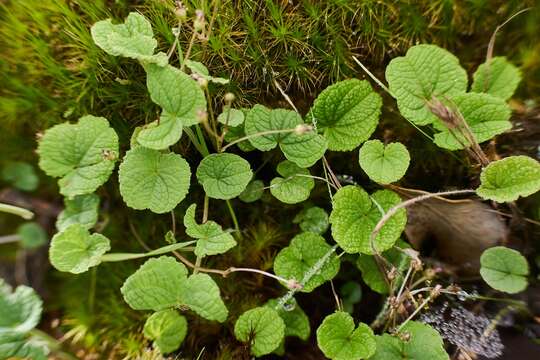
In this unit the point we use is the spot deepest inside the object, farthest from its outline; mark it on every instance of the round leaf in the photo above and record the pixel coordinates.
(252, 192)
(74, 250)
(295, 319)
(384, 164)
(231, 117)
(347, 113)
(21, 175)
(313, 219)
(300, 257)
(32, 235)
(152, 180)
(504, 269)
(224, 176)
(162, 133)
(82, 155)
(339, 340)
(355, 215)
(20, 310)
(425, 71)
(82, 209)
(508, 179)
(167, 328)
(295, 185)
(497, 77)
(262, 327)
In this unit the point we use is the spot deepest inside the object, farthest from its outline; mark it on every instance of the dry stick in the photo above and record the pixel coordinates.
(419, 308)
(137, 237)
(491, 44)
(287, 98)
(336, 297)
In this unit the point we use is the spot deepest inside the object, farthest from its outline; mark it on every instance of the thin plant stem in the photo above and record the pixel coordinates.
(8, 239)
(416, 311)
(188, 52)
(16, 210)
(205, 208)
(173, 221)
(194, 141)
(200, 136)
(262, 133)
(234, 219)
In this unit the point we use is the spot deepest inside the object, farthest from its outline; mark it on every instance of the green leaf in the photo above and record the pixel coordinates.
(237, 132)
(497, 77)
(153, 180)
(231, 117)
(22, 346)
(224, 176)
(295, 185)
(425, 71)
(201, 294)
(313, 219)
(339, 340)
(262, 327)
(297, 259)
(82, 209)
(211, 239)
(156, 285)
(507, 179)
(303, 149)
(133, 39)
(74, 250)
(20, 310)
(425, 343)
(252, 192)
(20, 175)
(384, 164)
(504, 269)
(162, 133)
(167, 328)
(176, 92)
(347, 113)
(201, 70)
(295, 319)
(355, 215)
(32, 235)
(486, 116)
(82, 155)
(371, 274)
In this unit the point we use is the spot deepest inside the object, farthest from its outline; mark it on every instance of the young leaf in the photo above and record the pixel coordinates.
(224, 176)
(371, 274)
(211, 239)
(200, 70)
(355, 215)
(236, 132)
(425, 343)
(313, 219)
(295, 319)
(22, 346)
(82, 155)
(497, 77)
(74, 250)
(304, 148)
(32, 235)
(262, 327)
(339, 340)
(82, 209)
(507, 179)
(167, 329)
(133, 39)
(152, 180)
(347, 113)
(504, 269)
(177, 93)
(21, 175)
(425, 71)
(201, 294)
(162, 133)
(231, 117)
(252, 192)
(156, 285)
(384, 164)
(20, 310)
(485, 115)
(297, 259)
(295, 185)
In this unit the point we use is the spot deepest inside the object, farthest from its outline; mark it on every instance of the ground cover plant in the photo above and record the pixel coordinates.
(189, 177)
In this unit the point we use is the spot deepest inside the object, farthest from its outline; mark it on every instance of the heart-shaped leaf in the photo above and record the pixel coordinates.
(21, 175)
(32, 235)
(162, 133)
(82, 155)
(224, 176)
(300, 257)
(425, 71)
(338, 338)
(504, 269)
(347, 113)
(153, 180)
(384, 164)
(294, 186)
(167, 329)
(355, 214)
(262, 327)
(75, 250)
(252, 192)
(313, 219)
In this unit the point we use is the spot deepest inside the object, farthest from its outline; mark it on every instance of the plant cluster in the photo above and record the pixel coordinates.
(431, 90)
